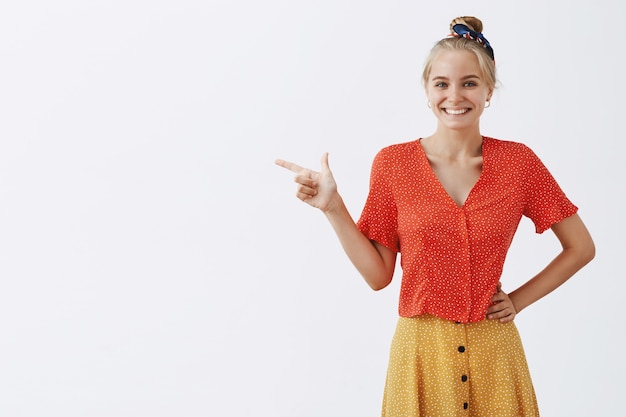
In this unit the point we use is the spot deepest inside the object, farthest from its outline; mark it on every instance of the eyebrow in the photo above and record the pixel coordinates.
(467, 77)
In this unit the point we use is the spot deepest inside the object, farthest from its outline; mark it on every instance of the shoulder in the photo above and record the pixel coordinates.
(509, 150)
(397, 152)
(399, 148)
(506, 145)
(395, 158)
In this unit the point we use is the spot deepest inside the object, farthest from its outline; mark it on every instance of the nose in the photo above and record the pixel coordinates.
(454, 94)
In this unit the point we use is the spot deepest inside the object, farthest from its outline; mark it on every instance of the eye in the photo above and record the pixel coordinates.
(470, 84)
(441, 84)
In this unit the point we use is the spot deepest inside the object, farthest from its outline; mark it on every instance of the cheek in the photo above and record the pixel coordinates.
(479, 98)
(432, 96)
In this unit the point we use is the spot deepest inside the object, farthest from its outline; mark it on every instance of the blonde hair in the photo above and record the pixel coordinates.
(485, 62)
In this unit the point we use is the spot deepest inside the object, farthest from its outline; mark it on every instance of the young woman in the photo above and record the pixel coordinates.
(450, 204)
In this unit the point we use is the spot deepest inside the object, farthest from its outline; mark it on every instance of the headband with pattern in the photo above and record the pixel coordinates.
(467, 33)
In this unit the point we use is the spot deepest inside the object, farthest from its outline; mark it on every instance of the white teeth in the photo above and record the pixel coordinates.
(456, 111)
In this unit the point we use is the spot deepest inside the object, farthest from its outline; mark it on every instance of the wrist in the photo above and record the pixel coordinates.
(517, 305)
(334, 206)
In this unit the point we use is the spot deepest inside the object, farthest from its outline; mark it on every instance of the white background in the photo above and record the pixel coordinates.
(155, 262)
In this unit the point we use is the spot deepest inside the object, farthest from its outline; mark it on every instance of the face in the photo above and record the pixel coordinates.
(457, 90)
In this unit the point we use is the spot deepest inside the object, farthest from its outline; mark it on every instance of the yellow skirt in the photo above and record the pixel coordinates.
(439, 368)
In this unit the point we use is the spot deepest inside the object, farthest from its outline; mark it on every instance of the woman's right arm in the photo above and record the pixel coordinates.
(375, 262)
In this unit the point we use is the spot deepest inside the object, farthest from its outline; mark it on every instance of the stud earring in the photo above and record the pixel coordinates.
(429, 105)
(487, 104)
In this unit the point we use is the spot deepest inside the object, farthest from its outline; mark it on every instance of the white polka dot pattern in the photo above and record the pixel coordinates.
(439, 368)
(452, 257)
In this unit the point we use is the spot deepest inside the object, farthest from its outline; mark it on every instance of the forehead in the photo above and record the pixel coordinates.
(455, 63)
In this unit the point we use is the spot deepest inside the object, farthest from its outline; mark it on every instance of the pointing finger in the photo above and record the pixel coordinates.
(289, 165)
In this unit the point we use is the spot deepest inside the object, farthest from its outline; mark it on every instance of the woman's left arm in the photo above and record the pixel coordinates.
(578, 250)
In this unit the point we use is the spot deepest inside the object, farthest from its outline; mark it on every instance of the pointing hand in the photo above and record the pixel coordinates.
(318, 189)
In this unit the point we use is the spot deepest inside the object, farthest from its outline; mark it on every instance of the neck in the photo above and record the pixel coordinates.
(455, 143)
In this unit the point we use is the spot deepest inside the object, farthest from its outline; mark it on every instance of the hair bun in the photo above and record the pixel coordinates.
(471, 22)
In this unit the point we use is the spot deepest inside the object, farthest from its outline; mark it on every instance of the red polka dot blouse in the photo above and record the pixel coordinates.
(452, 257)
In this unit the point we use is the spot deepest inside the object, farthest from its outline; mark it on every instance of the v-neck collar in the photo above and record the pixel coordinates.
(424, 159)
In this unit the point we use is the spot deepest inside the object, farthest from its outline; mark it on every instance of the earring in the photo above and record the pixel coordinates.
(487, 104)
(429, 105)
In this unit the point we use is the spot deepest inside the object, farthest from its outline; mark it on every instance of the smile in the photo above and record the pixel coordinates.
(461, 111)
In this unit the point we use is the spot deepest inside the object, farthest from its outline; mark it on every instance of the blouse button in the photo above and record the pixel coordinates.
(464, 378)
(461, 349)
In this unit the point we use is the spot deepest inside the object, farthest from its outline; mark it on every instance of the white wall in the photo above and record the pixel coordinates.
(153, 260)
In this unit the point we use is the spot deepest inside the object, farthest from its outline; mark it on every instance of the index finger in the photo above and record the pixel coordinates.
(289, 165)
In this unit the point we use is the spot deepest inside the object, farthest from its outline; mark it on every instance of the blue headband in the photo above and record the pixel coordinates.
(467, 33)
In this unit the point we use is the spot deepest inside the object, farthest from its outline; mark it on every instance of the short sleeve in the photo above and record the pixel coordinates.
(545, 203)
(379, 218)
